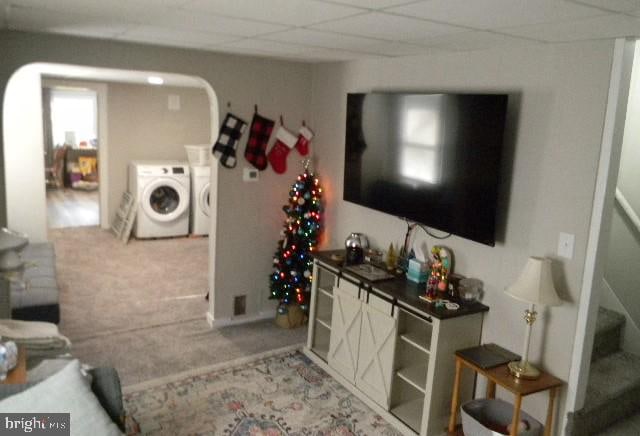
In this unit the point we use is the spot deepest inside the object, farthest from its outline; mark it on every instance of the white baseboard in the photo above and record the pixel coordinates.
(244, 319)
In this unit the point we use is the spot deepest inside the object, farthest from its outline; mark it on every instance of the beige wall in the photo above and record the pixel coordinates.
(249, 214)
(141, 127)
(556, 111)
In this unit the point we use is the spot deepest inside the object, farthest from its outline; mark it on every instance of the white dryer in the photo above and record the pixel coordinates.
(162, 191)
(200, 206)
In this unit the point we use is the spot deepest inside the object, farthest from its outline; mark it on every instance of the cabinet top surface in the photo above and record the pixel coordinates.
(405, 292)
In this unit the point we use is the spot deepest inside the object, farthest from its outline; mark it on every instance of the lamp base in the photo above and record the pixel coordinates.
(523, 370)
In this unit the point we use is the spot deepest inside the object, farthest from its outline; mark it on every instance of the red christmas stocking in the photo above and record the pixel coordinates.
(285, 141)
(305, 135)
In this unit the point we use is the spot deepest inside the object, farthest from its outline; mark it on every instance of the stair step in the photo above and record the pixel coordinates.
(613, 394)
(608, 333)
(626, 427)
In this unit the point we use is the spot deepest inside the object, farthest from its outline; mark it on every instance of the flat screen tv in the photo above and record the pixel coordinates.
(434, 159)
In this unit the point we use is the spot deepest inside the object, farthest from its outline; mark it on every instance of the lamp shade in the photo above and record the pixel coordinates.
(535, 285)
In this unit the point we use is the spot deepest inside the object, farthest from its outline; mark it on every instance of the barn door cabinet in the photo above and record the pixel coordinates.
(388, 347)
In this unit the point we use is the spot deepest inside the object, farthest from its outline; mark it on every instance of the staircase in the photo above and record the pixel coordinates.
(613, 391)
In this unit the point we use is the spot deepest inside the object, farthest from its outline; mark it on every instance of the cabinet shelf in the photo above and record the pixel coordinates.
(415, 375)
(410, 412)
(417, 339)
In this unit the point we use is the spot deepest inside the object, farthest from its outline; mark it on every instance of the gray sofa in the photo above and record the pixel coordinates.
(40, 302)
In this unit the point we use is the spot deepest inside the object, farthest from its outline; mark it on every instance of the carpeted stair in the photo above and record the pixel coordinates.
(613, 392)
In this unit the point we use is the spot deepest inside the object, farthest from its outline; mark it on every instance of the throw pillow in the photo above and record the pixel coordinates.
(67, 391)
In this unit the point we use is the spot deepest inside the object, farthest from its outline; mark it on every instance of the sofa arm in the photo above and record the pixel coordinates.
(106, 387)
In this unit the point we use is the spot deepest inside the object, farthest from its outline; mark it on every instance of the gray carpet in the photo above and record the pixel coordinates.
(140, 307)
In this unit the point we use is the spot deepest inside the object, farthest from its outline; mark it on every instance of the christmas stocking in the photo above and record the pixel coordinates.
(225, 147)
(285, 141)
(259, 135)
(305, 135)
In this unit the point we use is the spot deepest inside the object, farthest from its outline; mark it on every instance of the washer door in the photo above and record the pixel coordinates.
(204, 201)
(164, 200)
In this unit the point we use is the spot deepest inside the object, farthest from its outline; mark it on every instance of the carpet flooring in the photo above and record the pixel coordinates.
(140, 307)
(281, 393)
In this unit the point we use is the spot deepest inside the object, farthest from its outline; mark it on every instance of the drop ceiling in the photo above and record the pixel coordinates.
(329, 30)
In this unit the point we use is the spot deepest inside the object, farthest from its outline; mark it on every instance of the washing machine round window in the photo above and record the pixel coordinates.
(164, 200)
(205, 200)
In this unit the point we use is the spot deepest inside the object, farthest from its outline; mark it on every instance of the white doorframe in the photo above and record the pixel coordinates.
(607, 175)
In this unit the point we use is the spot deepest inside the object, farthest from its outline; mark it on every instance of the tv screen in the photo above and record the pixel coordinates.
(430, 158)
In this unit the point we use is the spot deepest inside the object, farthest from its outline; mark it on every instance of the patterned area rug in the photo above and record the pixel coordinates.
(281, 393)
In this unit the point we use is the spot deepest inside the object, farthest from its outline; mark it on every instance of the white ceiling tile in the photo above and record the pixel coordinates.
(192, 37)
(254, 45)
(389, 27)
(372, 4)
(73, 24)
(397, 49)
(322, 39)
(491, 14)
(473, 40)
(612, 5)
(607, 26)
(182, 19)
(97, 8)
(288, 12)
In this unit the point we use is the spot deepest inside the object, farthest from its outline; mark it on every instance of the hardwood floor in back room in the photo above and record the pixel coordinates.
(72, 208)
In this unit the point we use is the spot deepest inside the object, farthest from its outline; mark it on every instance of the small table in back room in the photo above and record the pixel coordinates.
(500, 376)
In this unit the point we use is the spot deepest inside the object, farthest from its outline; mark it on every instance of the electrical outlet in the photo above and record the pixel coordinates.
(566, 241)
(239, 305)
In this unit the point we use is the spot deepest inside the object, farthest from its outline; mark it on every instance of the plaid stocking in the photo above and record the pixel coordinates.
(259, 135)
(285, 141)
(305, 135)
(225, 147)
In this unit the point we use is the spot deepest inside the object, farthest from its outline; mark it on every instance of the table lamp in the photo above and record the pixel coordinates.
(534, 286)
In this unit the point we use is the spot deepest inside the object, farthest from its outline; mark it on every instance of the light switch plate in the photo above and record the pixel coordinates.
(566, 241)
(250, 175)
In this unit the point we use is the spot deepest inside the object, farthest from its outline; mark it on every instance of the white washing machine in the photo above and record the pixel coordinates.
(200, 206)
(162, 191)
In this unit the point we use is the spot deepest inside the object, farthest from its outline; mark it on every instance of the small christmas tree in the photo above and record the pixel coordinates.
(292, 263)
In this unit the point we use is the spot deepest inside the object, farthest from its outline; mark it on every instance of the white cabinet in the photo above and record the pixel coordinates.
(395, 357)
(377, 346)
(345, 333)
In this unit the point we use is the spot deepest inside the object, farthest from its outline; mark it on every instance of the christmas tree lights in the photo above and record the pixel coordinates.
(292, 263)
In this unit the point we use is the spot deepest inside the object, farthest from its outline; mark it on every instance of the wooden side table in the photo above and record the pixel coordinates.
(18, 375)
(520, 388)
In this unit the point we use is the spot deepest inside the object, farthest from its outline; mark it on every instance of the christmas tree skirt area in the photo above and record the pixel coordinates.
(277, 393)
